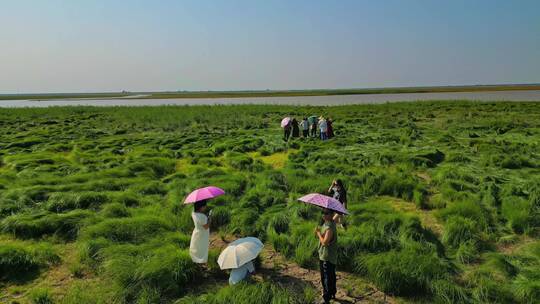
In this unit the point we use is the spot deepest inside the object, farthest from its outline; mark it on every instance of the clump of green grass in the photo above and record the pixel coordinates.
(261, 197)
(449, 292)
(35, 225)
(279, 223)
(490, 280)
(399, 184)
(482, 217)
(114, 210)
(520, 214)
(141, 272)
(65, 201)
(467, 252)
(429, 159)
(244, 293)
(83, 292)
(127, 198)
(149, 188)
(304, 244)
(18, 259)
(153, 167)
(243, 221)
(404, 272)
(243, 162)
(526, 287)
(243, 145)
(221, 216)
(41, 296)
(131, 229)
(515, 162)
(460, 230)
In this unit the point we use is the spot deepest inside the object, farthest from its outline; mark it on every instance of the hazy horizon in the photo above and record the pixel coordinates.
(273, 90)
(66, 46)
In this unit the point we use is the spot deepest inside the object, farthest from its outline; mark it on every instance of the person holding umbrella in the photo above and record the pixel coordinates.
(327, 236)
(328, 250)
(239, 256)
(286, 125)
(200, 238)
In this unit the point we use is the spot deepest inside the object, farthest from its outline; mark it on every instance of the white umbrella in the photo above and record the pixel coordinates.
(240, 252)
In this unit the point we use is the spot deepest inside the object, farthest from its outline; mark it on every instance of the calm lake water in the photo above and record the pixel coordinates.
(533, 95)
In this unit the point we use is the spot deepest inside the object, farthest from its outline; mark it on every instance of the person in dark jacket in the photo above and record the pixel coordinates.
(313, 128)
(287, 132)
(337, 191)
(295, 128)
(329, 128)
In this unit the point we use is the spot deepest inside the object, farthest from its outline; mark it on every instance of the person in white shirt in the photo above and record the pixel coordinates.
(305, 127)
(323, 127)
(240, 273)
(200, 238)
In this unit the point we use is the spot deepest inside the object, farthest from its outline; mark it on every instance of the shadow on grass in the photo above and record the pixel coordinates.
(294, 284)
(20, 278)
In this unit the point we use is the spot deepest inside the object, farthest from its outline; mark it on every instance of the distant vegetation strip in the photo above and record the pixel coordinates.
(62, 96)
(272, 93)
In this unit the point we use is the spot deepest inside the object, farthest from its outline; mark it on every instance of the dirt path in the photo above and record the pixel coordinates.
(276, 268)
(516, 245)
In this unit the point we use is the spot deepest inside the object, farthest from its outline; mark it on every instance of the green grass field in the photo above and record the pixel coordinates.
(273, 93)
(444, 200)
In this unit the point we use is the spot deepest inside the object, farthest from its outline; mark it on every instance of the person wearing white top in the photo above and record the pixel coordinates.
(305, 127)
(240, 273)
(200, 238)
(323, 127)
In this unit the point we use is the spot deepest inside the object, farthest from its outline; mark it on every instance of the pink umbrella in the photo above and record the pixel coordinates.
(203, 194)
(324, 201)
(285, 121)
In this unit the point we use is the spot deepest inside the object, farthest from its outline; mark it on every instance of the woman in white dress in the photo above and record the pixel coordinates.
(200, 238)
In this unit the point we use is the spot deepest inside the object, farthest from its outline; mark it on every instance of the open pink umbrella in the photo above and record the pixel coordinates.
(285, 121)
(203, 194)
(324, 201)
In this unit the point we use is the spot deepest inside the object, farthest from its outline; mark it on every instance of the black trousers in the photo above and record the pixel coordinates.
(328, 280)
(286, 134)
(305, 133)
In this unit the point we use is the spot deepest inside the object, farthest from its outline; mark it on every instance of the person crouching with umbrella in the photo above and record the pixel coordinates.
(239, 257)
(327, 235)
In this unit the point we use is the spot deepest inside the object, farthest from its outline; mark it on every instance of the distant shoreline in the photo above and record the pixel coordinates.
(313, 100)
(270, 93)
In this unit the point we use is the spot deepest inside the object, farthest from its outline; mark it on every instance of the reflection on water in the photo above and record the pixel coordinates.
(533, 95)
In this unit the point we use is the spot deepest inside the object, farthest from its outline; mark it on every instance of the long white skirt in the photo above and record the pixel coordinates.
(200, 239)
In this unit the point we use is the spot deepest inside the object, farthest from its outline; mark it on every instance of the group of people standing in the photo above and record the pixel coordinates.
(311, 127)
(326, 233)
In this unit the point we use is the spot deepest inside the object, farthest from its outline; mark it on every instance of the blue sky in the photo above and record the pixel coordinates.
(88, 46)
